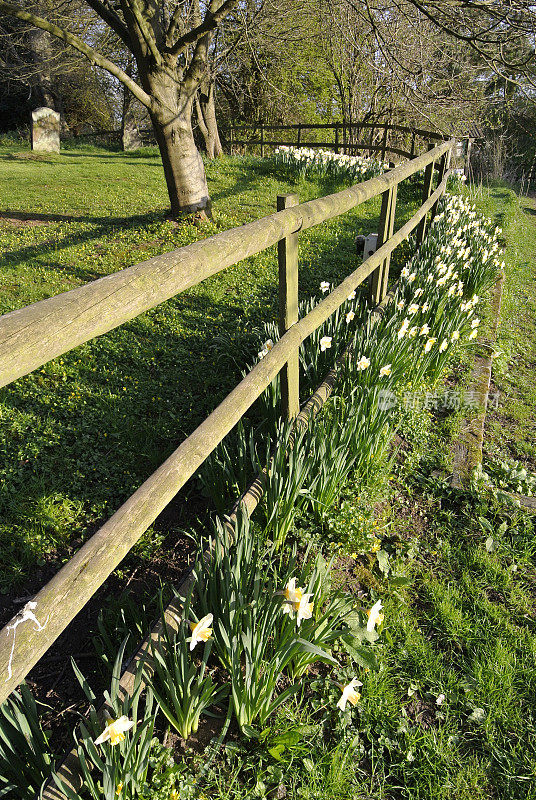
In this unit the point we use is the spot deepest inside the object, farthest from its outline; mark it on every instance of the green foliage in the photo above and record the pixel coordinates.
(25, 756)
(112, 769)
(182, 687)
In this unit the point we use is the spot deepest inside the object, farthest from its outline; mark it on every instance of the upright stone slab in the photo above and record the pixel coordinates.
(131, 135)
(45, 130)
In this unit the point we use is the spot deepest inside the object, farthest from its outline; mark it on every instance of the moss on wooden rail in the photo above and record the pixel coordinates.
(22, 642)
(31, 336)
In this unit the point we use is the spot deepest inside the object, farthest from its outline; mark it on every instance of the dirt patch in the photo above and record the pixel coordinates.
(422, 713)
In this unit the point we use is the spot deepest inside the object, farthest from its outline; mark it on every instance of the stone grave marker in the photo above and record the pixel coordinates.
(45, 130)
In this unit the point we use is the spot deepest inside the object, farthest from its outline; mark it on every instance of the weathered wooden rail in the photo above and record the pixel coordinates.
(33, 335)
(344, 139)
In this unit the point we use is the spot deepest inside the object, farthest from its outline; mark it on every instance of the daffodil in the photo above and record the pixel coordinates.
(418, 292)
(201, 631)
(351, 296)
(115, 730)
(429, 344)
(325, 342)
(403, 330)
(385, 370)
(413, 308)
(304, 609)
(324, 287)
(350, 316)
(400, 305)
(473, 334)
(412, 277)
(292, 594)
(425, 330)
(475, 323)
(455, 336)
(267, 346)
(119, 788)
(349, 694)
(363, 363)
(375, 617)
(405, 273)
(443, 346)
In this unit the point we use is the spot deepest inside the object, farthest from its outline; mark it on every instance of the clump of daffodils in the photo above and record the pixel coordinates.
(305, 160)
(296, 602)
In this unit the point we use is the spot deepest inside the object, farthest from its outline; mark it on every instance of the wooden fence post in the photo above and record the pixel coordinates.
(384, 141)
(443, 166)
(231, 138)
(379, 278)
(336, 137)
(412, 151)
(299, 134)
(426, 192)
(287, 256)
(262, 140)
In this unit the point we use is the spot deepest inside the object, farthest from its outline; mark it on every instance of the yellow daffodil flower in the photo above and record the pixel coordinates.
(114, 731)
(375, 617)
(201, 631)
(349, 694)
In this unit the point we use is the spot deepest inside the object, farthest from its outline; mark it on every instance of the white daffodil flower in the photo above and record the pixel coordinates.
(418, 292)
(473, 334)
(325, 342)
(304, 609)
(363, 363)
(115, 730)
(413, 308)
(375, 617)
(412, 277)
(425, 307)
(455, 336)
(404, 329)
(400, 305)
(429, 344)
(349, 694)
(405, 273)
(351, 296)
(412, 333)
(324, 287)
(201, 631)
(385, 371)
(440, 699)
(475, 323)
(349, 316)
(441, 281)
(443, 346)
(292, 594)
(267, 346)
(425, 330)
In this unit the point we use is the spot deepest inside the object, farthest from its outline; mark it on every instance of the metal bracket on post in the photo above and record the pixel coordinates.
(426, 192)
(287, 257)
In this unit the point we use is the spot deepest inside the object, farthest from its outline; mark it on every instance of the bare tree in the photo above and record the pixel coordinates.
(170, 41)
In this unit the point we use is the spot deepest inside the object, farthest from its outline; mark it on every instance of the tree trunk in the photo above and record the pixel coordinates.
(183, 167)
(206, 116)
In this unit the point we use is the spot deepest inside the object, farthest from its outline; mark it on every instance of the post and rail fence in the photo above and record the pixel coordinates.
(344, 137)
(32, 336)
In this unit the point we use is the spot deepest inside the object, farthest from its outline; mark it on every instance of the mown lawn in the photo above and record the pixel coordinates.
(78, 436)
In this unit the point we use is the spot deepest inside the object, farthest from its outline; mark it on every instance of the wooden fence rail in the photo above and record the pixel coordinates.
(33, 335)
(255, 136)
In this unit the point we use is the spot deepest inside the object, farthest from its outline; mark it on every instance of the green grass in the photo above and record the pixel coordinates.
(464, 628)
(511, 429)
(79, 435)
